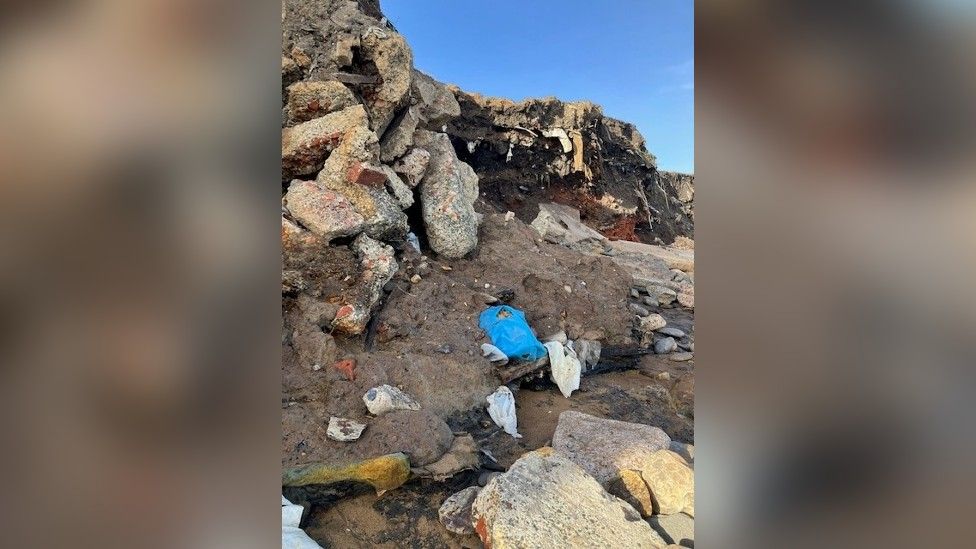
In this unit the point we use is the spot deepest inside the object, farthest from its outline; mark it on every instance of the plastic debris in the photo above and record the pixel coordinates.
(292, 536)
(588, 351)
(501, 408)
(386, 398)
(494, 354)
(510, 333)
(344, 430)
(413, 241)
(565, 367)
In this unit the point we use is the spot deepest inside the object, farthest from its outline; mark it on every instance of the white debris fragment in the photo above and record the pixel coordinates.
(562, 136)
(386, 398)
(509, 216)
(501, 408)
(413, 241)
(344, 430)
(494, 354)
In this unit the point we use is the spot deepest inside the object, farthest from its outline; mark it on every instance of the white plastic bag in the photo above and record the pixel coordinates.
(386, 398)
(501, 408)
(293, 537)
(565, 367)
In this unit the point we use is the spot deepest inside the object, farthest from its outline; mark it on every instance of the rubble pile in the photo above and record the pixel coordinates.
(410, 209)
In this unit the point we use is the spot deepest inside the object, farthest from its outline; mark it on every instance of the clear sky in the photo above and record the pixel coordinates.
(633, 57)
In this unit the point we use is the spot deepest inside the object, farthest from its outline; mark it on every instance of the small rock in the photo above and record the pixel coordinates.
(687, 346)
(638, 310)
(663, 376)
(445, 349)
(662, 295)
(681, 357)
(347, 367)
(344, 430)
(665, 345)
(634, 293)
(670, 331)
(415, 279)
(386, 398)
(455, 512)
(651, 323)
(420, 434)
(687, 299)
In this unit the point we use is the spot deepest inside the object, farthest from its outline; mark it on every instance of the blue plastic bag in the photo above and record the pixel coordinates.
(509, 332)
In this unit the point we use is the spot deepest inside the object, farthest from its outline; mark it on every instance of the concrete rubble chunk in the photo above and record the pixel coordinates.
(561, 224)
(399, 136)
(342, 55)
(546, 500)
(400, 190)
(323, 211)
(393, 59)
(309, 100)
(455, 512)
(378, 267)
(687, 298)
(604, 447)
(344, 430)
(305, 146)
(447, 193)
(669, 483)
(437, 104)
(413, 165)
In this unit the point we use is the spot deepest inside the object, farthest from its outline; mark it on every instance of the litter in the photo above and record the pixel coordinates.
(386, 398)
(344, 430)
(501, 408)
(588, 351)
(565, 367)
(493, 354)
(510, 333)
(413, 241)
(293, 537)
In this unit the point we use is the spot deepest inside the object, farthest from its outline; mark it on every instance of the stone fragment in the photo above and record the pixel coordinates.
(604, 447)
(681, 357)
(651, 323)
(630, 487)
(678, 529)
(462, 456)
(665, 345)
(344, 430)
(342, 55)
(393, 59)
(670, 481)
(546, 500)
(455, 512)
(447, 193)
(400, 190)
(687, 299)
(309, 100)
(399, 136)
(382, 473)
(661, 295)
(305, 146)
(347, 367)
(638, 310)
(378, 267)
(561, 224)
(437, 104)
(387, 398)
(671, 331)
(323, 211)
(413, 165)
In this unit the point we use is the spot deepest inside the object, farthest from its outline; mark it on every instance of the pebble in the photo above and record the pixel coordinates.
(665, 345)
(681, 357)
(634, 293)
(446, 349)
(415, 279)
(671, 331)
(637, 309)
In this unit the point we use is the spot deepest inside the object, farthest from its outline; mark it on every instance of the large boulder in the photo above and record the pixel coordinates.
(605, 447)
(448, 192)
(436, 101)
(304, 147)
(546, 500)
(663, 485)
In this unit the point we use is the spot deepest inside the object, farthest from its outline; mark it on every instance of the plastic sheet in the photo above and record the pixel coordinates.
(501, 408)
(565, 367)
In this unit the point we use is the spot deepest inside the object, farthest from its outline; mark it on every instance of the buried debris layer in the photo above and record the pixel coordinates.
(510, 333)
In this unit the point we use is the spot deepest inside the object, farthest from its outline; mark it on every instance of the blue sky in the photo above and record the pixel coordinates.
(633, 57)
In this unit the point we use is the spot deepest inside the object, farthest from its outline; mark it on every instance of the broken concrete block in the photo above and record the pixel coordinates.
(323, 211)
(304, 147)
(361, 173)
(309, 100)
(378, 267)
(400, 190)
(413, 166)
(604, 447)
(455, 512)
(342, 55)
(437, 104)
(393, 59)
(546, 500)
(447, 192)
(561, 224)
(399, 136)
(344, 430)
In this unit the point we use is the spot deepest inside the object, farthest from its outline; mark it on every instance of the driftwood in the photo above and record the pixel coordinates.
(612, 358)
